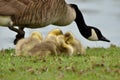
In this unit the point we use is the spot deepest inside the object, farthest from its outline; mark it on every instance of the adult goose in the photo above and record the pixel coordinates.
(40, 13)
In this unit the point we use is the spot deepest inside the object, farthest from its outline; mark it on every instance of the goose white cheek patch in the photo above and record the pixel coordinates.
(5, 21)
(93, 37)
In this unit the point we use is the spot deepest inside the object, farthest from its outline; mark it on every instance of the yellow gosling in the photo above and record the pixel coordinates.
(76, 44)
(24, 45)
(56, 38)
(49, 46)
(52, 35)
(36, 35)
(52, 38)
(36, 47)
(44, 49)
(65, 49)
(54, 44)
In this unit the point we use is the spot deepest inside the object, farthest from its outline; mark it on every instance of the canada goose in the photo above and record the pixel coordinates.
(76, 44)
(40, 13)
(24, 45)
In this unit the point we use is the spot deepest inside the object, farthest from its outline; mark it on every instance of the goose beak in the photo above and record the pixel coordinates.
(104, 39)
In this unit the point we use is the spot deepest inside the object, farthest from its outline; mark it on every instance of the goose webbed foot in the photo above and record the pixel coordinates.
(20, 33)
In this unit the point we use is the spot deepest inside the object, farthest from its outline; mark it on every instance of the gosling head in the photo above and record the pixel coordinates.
(56, 32)
(36, 35)
(89, 32)
(68, 36)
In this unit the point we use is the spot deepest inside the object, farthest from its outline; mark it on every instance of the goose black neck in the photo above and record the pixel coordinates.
(79, 17)
(83, 28)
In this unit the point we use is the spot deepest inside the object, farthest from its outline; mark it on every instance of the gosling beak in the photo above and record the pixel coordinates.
(104, 39)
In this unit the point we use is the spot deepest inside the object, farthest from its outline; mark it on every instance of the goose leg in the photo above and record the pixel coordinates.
(20, 33)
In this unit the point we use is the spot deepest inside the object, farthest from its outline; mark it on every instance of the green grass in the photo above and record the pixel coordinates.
(98, 64)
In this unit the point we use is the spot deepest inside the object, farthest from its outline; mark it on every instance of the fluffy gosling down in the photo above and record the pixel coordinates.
(56, 37)
(61, 46)
(55, 43)
(65, 49)
(49, 46)
(76, 44)
(24, 45)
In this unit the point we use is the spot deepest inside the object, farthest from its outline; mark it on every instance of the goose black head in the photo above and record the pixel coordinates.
(96, 35)
(89, 32)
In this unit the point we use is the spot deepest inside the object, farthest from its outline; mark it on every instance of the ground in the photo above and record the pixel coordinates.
(97, 64)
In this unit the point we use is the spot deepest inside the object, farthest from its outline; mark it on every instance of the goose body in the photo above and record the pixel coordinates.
(5, 20)
(40, 13)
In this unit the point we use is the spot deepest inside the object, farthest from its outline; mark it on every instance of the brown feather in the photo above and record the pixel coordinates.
(11, 7)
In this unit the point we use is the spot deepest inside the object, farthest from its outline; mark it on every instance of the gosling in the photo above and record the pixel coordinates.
(24, 45)
(76, 44)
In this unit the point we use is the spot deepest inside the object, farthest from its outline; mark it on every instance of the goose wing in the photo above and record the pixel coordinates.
(26, 2)
(13, 7)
